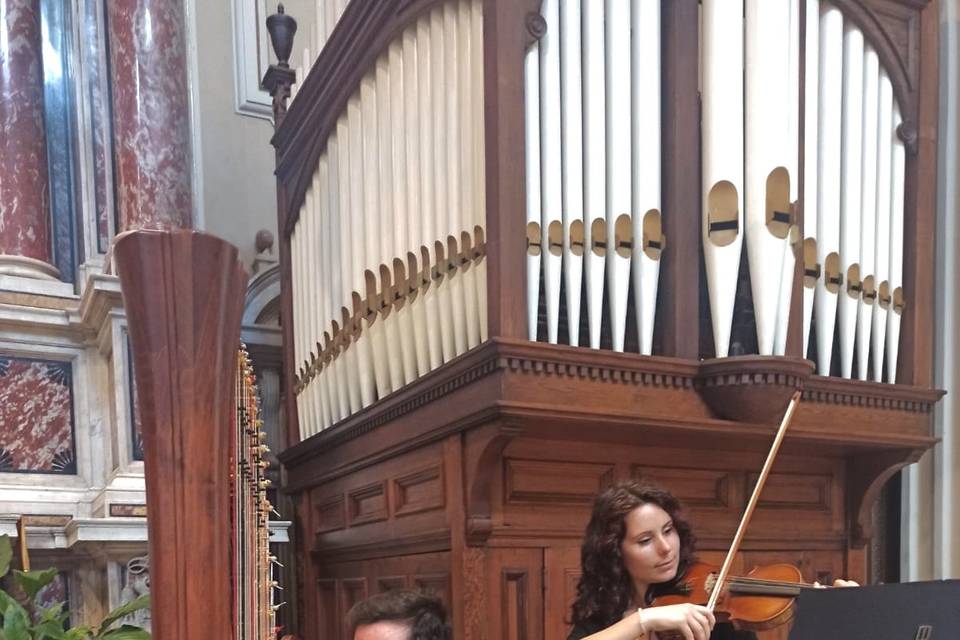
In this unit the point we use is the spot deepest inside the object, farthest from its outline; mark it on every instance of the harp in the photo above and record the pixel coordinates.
(206, 488)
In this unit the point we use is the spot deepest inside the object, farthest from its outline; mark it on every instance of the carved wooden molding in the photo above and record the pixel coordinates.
(893, 29)
(483, 449)
(866, 475)
(528, 364)
(599, 371)
(870, 395)
(325, 552)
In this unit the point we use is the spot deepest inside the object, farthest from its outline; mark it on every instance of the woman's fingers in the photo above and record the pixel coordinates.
(701, 625)
(845, 583)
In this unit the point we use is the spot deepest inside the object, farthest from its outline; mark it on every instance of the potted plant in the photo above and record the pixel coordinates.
(22, 621)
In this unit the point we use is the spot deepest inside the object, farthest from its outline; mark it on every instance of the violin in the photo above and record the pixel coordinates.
(762, 599)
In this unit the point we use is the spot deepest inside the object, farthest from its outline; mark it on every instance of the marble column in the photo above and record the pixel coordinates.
(151, 115)
(25, 247)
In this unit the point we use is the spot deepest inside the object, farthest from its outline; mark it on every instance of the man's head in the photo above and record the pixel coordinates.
(400, 615)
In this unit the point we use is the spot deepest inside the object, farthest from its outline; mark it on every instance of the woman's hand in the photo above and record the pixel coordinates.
(690, 621)
(839, 582)
(845, 583)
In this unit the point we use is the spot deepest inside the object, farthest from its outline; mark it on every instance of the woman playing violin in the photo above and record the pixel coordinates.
(637, 547)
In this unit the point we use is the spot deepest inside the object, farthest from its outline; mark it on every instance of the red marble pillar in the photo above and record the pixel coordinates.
(151, 118)
(25, 247)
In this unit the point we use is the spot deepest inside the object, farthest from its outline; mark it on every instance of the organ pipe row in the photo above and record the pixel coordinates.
(593, 145)
(387, 254)
(593, 176)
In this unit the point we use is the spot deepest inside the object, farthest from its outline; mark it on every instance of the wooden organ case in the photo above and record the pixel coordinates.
(533, 247)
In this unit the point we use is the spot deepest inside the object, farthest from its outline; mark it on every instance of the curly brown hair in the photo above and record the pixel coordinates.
(605, 589)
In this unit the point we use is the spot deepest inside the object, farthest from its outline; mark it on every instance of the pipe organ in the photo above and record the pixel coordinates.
(533, 247)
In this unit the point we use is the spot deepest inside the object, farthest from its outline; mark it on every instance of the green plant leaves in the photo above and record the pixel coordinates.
(6, 554)
(15, 624)
(33, 581)
(18, 625)
(143, 602)
(126, 632)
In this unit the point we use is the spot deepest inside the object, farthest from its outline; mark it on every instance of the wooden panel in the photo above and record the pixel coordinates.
(419, 491)
(562, 571)
(327, 610)
(352, 591)
(330, 514)
(515, 594)
(391, 583)
(552, 482)
(798, 504)
(367, 504)
(793, 491)
(710, 488)
(435, 583)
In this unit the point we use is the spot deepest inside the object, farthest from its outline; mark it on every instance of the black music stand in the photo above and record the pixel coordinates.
(908, 611)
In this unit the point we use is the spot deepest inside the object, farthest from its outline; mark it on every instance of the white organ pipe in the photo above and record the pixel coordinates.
(646, 91)
(868, 200)
(811, 125)
(619, 191)
(358, 237)
(348, 259)
(388, 213)
(828, 170)
(884, 154)
(297, 280)
(414, 180)
(339, 401)
(550, 165)
(321, 231)
(898, 161)
(313, 411)
(467, 161)
(767, 182)
(429, 230)
(452, 168)
(398, 151)
(811, 155)
(531, 68)
(571, 108)
(480, 191)
(595, 187)
(792, 242)
(371, 216)
(722, 95)
(439, 67)
(850, 186)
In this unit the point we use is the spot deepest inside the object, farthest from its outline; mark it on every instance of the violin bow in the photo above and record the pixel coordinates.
(745, 520)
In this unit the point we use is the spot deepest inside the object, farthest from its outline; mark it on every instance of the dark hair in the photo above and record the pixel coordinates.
(605, 589)
(424, 613)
